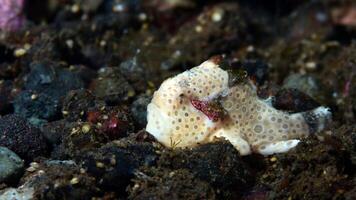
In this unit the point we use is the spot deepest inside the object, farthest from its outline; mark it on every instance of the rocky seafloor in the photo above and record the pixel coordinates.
(76, 77)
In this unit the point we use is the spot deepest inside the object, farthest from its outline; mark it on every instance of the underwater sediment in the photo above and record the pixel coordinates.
(80, 81)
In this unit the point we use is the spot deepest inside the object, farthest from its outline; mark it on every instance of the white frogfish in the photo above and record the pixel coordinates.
(200, 105)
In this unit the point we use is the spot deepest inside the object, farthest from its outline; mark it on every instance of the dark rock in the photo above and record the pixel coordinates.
(158, 183)
(51, 79)
(350, 195)
(353, 98)
(85, 73)
(55, 131)
(198, 39)
(293, 100)
(6, 53)
(147, 60)
(135, 72)
(11, 165)
(37, 105)
(139, 110)
(59, 180)
(79, 137)
(217, 163)
(120, 21)
(76, 104)
(92, 56)
(112, 86)
(144, 136)
(347, 135)
(98, 126)
(307, 84)
(17, 193)
(43, 46)
(114, 164)
(257, 193)
(313, 170)
(37, 122)
(8, 68)
(22, 138)
(5, 96)
(45, 86)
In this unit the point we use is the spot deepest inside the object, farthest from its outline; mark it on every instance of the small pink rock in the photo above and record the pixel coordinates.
(11, 15)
